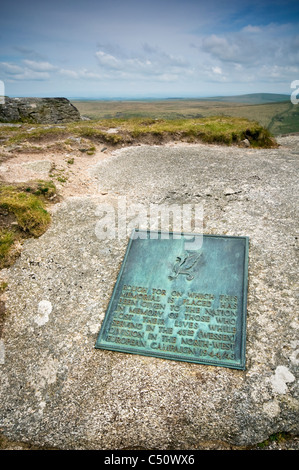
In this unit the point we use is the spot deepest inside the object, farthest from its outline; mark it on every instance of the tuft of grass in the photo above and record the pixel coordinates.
(91, 150)
(10, 249)
(277, 437)
(59, 175)
(28, 209)
(3, 286)
(46, 189)
(62, 179)
(7, 240)
(92, 132)
(22, 215)
(24, 134)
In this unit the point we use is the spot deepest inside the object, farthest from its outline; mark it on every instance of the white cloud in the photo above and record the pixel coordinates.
(17, 72)
(109, 61)
(167, 77)
(32, 75)
(68, 73)
(31, 71)
(251, 29)
(228, 49)
(11, 69)
(150, 63)
(39, 66)
(89, 75)
(35, 70)
(81, 73)
(217, 70)
(129, 65)
(254, 54)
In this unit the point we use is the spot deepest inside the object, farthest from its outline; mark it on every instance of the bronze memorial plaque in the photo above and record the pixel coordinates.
(181, 297)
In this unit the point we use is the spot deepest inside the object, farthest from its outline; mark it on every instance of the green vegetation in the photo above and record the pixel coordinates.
(251, 98)
(7, 240)
(47, 189)
(217, 129)
(279, 117)
(59, 175)
(22, 215)
(28, 209)
(3, 286)
(212, 129)
(278, 437)
(28, 133)
(225, 130)
(92, 149)
(286, 120)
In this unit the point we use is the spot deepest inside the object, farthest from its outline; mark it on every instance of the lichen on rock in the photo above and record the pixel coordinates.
(38, 110)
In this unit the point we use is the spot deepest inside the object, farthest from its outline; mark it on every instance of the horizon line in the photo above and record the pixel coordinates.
(146, 97)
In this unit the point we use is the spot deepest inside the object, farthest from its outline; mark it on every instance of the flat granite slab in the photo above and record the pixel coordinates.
(58, 390)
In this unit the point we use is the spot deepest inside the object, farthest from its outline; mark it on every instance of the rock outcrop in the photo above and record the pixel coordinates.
(38, 110)
(58, 391)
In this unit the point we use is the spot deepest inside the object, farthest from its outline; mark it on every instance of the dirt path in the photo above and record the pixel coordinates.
(69, 170)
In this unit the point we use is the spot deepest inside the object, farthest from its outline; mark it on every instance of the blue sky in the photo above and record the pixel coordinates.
(165, 48)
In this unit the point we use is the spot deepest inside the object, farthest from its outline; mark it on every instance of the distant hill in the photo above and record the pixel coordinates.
(252, 98)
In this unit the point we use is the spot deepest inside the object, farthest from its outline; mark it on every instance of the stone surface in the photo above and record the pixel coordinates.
(39, 166)
(38, 110)
(57, 390)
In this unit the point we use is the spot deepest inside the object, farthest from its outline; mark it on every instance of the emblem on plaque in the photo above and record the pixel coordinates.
(185, 265)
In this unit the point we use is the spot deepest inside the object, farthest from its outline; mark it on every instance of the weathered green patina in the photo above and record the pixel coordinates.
(181, 297)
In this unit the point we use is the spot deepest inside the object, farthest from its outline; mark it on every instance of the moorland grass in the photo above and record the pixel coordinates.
(277, 117)
(30, 217)
(215, 129)
(27, 208)
(7, 240)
